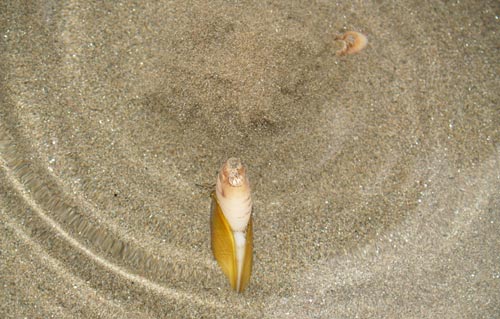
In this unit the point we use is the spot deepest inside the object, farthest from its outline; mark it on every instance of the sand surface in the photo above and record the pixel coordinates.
(375, 176)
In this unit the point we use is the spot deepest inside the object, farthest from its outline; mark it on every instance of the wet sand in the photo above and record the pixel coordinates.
(375, 176)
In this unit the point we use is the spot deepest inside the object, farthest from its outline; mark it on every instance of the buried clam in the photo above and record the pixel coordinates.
(352, 42)
(231, 224)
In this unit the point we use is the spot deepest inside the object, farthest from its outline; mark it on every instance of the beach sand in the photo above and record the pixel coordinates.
(375, 176)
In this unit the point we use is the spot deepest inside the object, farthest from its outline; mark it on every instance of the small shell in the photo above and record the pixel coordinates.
(352, 42)
(231, 224)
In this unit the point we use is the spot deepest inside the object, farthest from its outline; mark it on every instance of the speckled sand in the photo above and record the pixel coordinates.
(375, 176)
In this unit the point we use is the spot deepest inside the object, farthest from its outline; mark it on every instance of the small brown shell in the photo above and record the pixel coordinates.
(352, 42)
